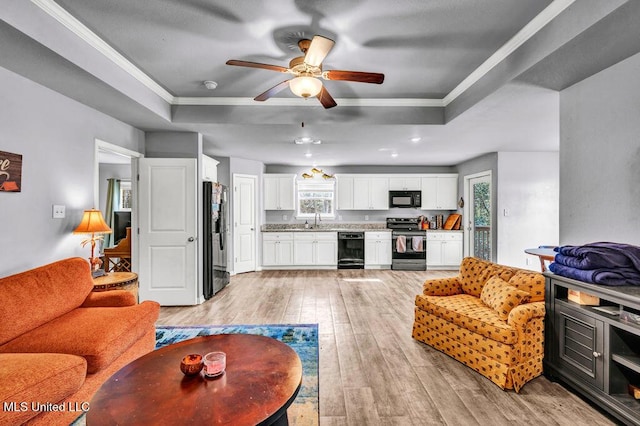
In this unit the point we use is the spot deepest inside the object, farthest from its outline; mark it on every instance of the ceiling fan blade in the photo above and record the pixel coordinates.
(362, 77)
(257, 65)
(326, 99)
(318, 50)
(271, 92)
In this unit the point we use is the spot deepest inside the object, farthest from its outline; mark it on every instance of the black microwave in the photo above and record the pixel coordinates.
(406, 199)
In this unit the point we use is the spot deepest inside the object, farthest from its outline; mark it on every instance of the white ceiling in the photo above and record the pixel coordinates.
(466, 76)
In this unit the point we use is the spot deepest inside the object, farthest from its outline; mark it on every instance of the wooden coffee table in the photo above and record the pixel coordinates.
(262, 378)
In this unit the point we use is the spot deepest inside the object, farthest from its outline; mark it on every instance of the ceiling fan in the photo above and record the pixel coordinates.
(307, 71)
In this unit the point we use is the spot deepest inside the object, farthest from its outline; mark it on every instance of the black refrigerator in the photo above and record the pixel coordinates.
(216, 212)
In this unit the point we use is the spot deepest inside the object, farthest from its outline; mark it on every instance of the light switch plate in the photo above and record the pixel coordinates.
(58, 211)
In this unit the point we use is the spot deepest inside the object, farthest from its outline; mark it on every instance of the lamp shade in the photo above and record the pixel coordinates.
(305, 87)
(92, 223)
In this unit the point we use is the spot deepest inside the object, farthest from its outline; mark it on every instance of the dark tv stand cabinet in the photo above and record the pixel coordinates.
(595, 353)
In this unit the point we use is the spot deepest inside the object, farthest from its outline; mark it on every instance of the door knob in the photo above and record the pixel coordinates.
(191, 239)
(596, 354)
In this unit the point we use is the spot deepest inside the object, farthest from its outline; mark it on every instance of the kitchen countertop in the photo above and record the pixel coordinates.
(325, 227)
(335, 227)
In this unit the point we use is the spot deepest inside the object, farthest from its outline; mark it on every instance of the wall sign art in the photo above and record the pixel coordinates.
(10, 172)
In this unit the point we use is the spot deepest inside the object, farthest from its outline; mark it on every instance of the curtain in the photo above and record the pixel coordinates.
(113, 203)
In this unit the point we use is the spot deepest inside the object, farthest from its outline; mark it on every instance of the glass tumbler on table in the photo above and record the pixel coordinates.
(214, 364)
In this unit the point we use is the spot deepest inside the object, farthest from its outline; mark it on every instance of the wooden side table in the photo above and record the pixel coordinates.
(117, 281)
(544, 254)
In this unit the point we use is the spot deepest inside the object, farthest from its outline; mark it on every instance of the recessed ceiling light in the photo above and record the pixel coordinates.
(394, 154)
(384, 149)
(306, 140)
(416, 139)
(308, 155)
(210, 84)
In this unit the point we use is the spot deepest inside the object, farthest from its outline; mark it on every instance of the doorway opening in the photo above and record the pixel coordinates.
(115, 195)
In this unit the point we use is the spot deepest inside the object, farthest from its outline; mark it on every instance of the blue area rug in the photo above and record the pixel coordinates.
(303, 338)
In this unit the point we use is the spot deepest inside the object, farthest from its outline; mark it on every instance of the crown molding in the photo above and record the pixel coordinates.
(299, 102)
(535, 25)
(78, 28)
(91, 38)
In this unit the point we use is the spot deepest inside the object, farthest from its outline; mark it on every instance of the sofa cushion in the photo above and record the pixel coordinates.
(501, 297)
(531, 282)
(474, 273)
(99, 335)
(469, 312)
(35, 297)
(455, 335)
(27, 378)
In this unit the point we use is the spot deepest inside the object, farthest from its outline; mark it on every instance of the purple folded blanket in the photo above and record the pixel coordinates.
(605, 276)
(599, 255)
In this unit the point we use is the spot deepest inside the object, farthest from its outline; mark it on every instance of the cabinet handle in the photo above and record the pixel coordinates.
(596, 354)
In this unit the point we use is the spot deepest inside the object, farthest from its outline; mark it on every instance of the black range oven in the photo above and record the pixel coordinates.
(408, 244)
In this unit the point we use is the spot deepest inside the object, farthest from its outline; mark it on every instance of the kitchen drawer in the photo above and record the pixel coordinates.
(326, 236)
(377, 236)
(277, 236)
(315, 236)
(444, 236)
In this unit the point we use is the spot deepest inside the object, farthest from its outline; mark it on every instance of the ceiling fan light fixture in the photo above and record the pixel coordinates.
(305, 86)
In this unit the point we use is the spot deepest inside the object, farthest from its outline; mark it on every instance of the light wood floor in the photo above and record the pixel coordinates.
(371, 371)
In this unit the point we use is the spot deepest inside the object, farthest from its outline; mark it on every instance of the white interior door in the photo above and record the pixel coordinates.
(168, 230)
(244, 220)
(478, 212)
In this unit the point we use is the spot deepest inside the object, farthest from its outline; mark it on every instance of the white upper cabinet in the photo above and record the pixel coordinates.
(379, 193)
(209, 169)
(345, 192)
(370, 193)
(440, 192)
(404, 183)
(279, 191)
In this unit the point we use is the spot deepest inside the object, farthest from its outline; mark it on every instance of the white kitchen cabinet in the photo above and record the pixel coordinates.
(405, 183)
(344, 192)
(370, 193)
(315, 249)
(377, 250)
(379, 193)
(444, 249)
(279, 191)
(277, 249)
(440, 192)
(209, 169)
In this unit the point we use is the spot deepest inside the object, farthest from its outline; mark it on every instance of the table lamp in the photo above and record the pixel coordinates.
(93, 223)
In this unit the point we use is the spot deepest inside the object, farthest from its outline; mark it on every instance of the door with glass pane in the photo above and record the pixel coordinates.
(478, 231)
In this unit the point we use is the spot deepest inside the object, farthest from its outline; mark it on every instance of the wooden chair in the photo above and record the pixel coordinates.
(118, 258)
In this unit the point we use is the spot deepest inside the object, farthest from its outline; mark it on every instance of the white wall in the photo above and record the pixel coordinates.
(600, 157)
(527, 205)
(56, 137)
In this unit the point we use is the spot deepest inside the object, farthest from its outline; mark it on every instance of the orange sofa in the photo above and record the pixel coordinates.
(490, 317)
(59, 341)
